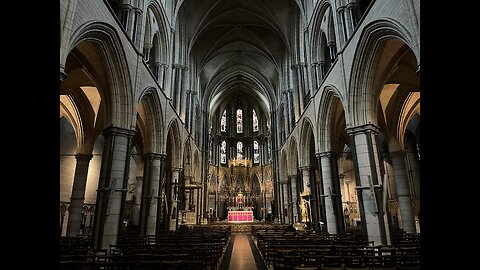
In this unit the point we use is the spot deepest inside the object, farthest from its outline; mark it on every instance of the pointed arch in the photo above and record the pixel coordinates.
(151, 114)
(362, 101)
(175, 143)
(330, 99)
(306, 134)
(293, 156)
(119, 94)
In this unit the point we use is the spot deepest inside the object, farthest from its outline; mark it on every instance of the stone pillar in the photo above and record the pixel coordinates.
(332, 49)
(177, 70)
(175, 194)
(137, 203)
(309, 177)
(294, 202)
(413, 167)
(137, 13)
(305, 179)
(328, 193)
(322, 70)
(78, 194)
(321, 192)
(150, 193)
(285, 204)
(146, 52)
(286, 113)
(368, 180)
(353, 13)
(112, 187)
(403, 191)
(298, 95)
(343, 25)
(125, 16)
(347, 19)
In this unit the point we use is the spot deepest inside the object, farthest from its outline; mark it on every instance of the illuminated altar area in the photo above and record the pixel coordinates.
(240, 212)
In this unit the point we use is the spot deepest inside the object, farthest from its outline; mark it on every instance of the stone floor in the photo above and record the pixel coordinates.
(243, 255)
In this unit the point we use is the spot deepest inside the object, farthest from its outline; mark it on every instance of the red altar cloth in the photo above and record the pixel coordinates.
(240, 216)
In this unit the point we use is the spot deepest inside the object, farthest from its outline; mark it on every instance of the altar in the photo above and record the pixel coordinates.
(240, 216)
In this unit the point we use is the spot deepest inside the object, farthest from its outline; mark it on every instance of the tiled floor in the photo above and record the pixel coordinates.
(242, 256)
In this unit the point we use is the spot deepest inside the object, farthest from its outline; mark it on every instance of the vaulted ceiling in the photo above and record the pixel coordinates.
(237, 47)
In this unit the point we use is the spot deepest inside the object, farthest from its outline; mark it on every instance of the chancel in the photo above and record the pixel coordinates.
(257, 134)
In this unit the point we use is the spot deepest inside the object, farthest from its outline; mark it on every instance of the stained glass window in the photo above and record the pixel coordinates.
(255, 121)
(239, 121)
(239, 150)
(223, 122)
(223, 152)
(256, 152)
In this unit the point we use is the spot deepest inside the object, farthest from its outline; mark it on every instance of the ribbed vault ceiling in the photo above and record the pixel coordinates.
(237, 47)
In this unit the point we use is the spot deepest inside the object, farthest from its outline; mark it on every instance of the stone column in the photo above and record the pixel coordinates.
(150, 193)
(368, 178)
(177, 70)
(159, 195)
(413, 167)
(328, 193)
(298, 95)
(146, 52)
(78, 194)
(321, 192)
(285, 202)
(332, 49)
(323, 70)
(342, 23)
(310, 178)
(137, 13)
(173, 222)
(294, 202)
(348, 21)
(286, 113)
(137, 203)
(112, 187)
(403, 191)
(353, 13)
(125, 16)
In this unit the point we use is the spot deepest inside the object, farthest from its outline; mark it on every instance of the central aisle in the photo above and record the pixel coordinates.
(244, 255)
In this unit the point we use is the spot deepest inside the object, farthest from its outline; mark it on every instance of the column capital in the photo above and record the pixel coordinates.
(113, 130)
(177, 169)
(137, 10)
(127, 6)
(352, 5)
(323, 154)
(155, 155)
(81, 156)
(362, 129)
(341, 9)
(306, 167)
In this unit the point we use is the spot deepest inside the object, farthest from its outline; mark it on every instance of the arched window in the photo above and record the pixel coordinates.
(223, 122)
(239, 150)
(239, 121)
(255, 121)
(223, 152)
(256, 152)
